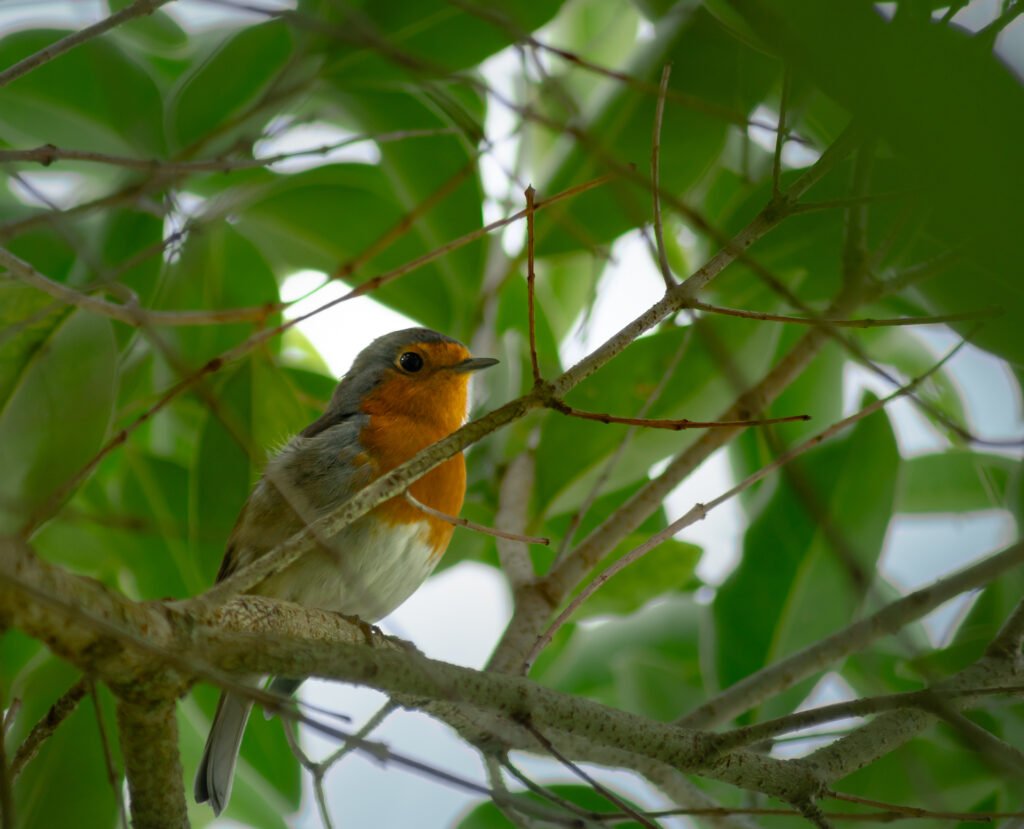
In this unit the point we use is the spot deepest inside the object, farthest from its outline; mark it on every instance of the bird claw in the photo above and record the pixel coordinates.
(370, 632)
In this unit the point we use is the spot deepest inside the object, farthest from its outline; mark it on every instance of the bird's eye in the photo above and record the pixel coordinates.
(411, 361)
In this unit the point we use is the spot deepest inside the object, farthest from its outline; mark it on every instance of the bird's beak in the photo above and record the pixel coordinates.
(474, 364)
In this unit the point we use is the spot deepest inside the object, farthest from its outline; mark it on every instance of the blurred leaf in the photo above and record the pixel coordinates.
(72, 758)
(709, 65)
(74, 369)
(488, 816)
(701, 391)
(795, 583)
(904, 350)
(647, 662)
(230, 77)
(260, 406)
(94, 97)
(956, 481)
(667, 567)
(218, 268)
(920, 72)
(450, 189)
(817, 392)
(389, 42)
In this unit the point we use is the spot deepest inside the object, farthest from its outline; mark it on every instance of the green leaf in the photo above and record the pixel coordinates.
(72, 759)
(94, 97)
(584, 446)
(295, 222)
(904, 350)
(56, 413)
(219, 268)
(965, 172)
(956, 481)
(268, 778)
(810, 555)
(708, 65)
(430, 38)
(260, 407)
(817, 392)
(488, 816)
(668, 567)
(444, 196)
(647, 662)
(230, 77)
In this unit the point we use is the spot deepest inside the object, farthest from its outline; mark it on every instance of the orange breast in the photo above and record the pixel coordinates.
(406, 416)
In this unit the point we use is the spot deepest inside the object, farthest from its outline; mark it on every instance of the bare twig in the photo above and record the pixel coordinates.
(891, 618)
(140, 8)
(620, 450)
(914, 812)
(472, 525)
(866, 322)
(371, 725)
(673, 425)
(530, 279)
(659, 231)
(44, 729)
(48, 154)
(315, 769)
(113, 777)
(700, 511)
(604, 791)
(863, 707)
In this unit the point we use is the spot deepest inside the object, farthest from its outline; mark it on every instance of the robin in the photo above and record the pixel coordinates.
(405, 391)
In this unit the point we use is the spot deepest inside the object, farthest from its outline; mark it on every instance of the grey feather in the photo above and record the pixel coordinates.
(217, 768)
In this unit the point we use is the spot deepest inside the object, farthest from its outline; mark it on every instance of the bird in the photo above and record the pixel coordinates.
(403, 392)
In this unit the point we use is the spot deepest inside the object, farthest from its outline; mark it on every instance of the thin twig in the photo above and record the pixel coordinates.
(700, 511)
(44, 729)
(531, 277)
(547, 794)
(131, 314)
(863, 707)
(367, 728)
(113, 778)
(314, 768)
(139, 8)
(217, 363)
(48, 154)
(867, 322)
(506, 803)
(674, 425)
(604, 791)
(659, 231)
(620, 450)
(472, 525)
(913, 811)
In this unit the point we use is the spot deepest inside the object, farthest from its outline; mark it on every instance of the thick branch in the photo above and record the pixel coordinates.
(149, 743)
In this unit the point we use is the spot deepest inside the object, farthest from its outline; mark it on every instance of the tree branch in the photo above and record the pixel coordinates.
(140, 8)
(149, 743)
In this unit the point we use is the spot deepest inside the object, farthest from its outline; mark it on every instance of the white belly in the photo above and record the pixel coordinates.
(370, 570)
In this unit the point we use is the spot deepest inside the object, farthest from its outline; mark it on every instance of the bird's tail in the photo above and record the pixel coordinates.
(217, 768)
